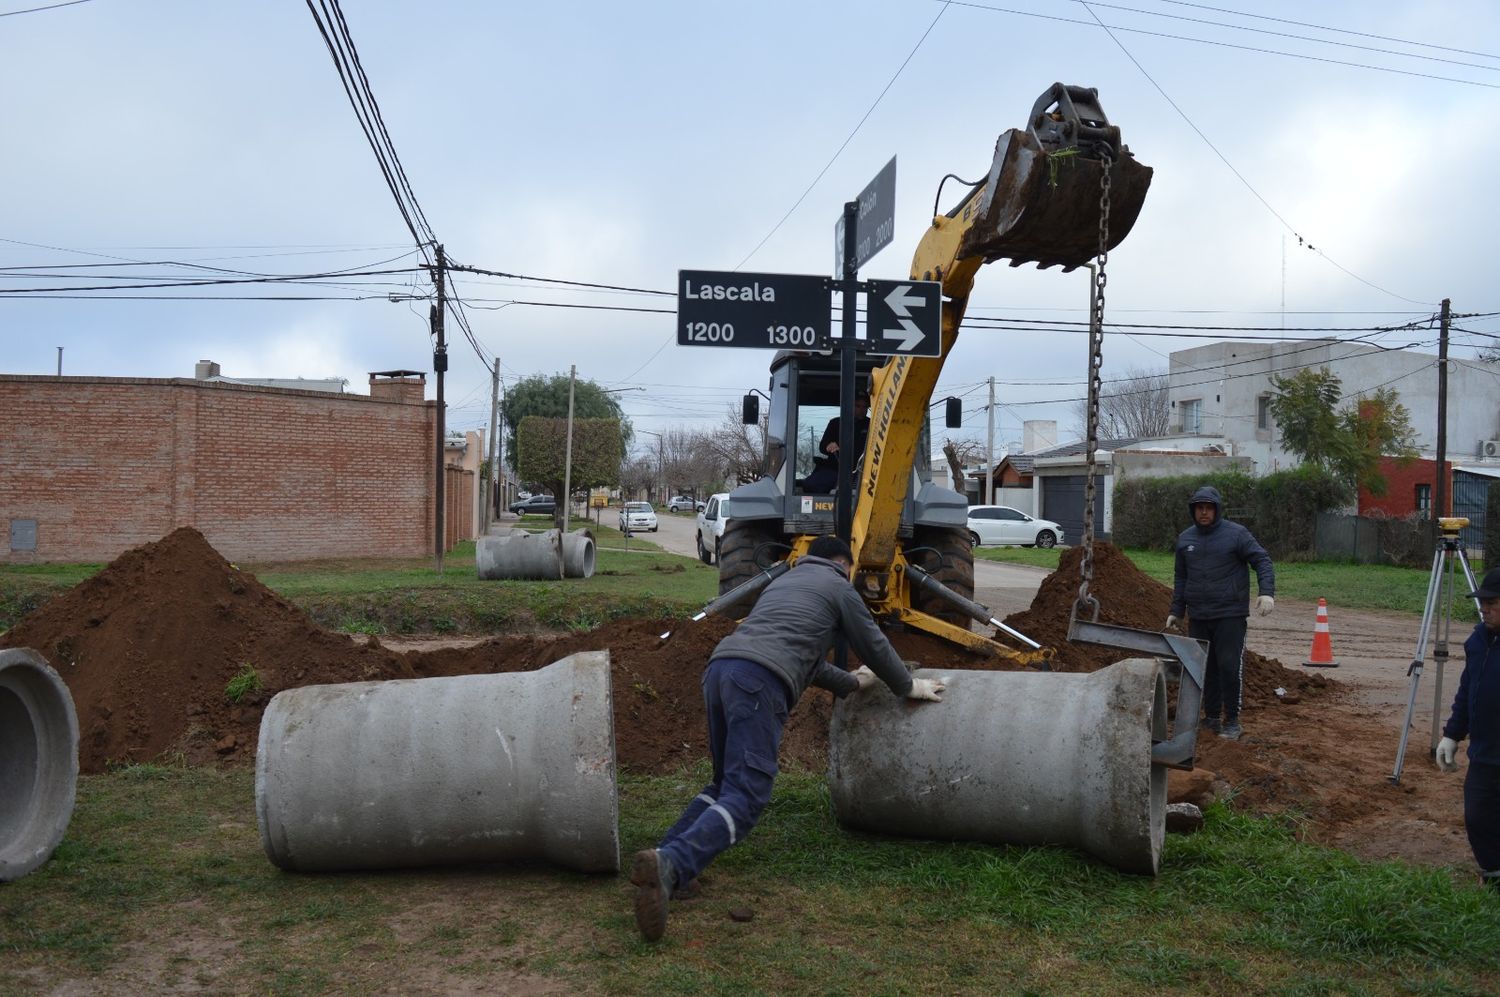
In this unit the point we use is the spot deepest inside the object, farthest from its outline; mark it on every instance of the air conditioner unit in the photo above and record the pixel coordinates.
(1489, 448)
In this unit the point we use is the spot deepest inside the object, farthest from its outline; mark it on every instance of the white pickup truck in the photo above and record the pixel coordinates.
(711, 527)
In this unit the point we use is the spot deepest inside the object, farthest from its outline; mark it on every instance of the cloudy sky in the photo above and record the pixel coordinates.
(614, 144)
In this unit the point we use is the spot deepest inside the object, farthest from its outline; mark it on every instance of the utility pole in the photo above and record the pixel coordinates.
(1440, 489)
(439, 366)
(989, 451)
(566, 496)
(491, 485)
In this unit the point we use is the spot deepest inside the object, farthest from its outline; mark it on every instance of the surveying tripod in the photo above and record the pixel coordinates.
(1450, 551)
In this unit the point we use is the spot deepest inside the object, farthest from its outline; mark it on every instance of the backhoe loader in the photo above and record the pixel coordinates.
(1049, 187)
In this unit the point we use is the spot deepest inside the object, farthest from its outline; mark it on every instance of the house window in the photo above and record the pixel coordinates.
(1192, 415)
(1263, 412)
(1424, 501)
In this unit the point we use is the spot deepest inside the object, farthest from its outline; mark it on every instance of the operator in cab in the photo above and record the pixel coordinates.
(825, 475)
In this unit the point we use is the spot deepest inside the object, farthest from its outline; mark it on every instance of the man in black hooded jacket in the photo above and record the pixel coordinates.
(1211, 586)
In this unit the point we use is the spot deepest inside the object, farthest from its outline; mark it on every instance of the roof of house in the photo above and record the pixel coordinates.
(1080, 447)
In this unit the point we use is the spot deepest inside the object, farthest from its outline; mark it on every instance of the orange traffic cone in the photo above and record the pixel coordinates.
(1321, 655)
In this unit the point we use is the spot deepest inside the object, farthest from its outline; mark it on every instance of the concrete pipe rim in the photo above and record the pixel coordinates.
(38, 761)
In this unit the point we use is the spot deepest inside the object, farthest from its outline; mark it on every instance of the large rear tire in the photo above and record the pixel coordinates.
(737, 547)
(956, 571)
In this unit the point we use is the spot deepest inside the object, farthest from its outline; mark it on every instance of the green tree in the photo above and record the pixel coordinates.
(1378, 425)
(1304, 409)
(547, 397)
(598, 450)
(1346, 443)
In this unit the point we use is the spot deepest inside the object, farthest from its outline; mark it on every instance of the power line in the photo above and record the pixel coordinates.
(1223, 44)
(839, 151)
(346, 62)
(1324, 27)
(1225, 160)
(1297, 37)
(50, 6)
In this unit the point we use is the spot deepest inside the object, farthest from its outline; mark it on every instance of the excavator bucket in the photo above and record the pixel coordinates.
(1044, 198)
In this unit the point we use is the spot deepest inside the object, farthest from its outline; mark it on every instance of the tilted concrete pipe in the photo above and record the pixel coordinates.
(1025, 758)
(546, 555)
(38, 761)
(473, 768)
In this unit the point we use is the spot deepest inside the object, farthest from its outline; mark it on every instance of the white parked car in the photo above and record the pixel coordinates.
(1000, 525)
(711, 520)
(679, 503)
(638, 517)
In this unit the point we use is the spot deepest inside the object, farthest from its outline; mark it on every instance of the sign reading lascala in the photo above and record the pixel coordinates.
(776, 311)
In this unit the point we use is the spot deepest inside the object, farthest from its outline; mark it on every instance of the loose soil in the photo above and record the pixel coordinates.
(148, 646)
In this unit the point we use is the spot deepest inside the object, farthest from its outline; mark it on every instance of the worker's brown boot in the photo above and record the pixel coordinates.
(653, 879)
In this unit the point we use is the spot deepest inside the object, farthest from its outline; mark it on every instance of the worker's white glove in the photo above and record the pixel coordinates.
(864, 677)
(1446, 755)
(929, 689)
(1264, 604)
(1171, 623)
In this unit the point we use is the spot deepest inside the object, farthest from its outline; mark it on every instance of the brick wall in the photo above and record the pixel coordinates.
(1401, 480)
(104, 464)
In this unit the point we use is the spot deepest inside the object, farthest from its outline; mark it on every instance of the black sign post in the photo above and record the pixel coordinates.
(775, 311)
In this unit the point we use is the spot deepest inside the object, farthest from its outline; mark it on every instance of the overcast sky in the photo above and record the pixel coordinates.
(615, 144)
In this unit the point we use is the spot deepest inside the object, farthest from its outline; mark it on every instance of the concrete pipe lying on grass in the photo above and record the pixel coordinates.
(412, 772)
(38, 761)
(552, 554)
(1024, 758)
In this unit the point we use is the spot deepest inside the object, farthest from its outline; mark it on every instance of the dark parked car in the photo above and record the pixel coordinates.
(544, 505)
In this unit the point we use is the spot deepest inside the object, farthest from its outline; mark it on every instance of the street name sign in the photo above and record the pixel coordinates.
(776, 311)
(904, 318)
(876, 225)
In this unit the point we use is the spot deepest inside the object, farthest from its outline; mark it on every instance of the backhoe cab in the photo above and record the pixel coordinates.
(1054, 191)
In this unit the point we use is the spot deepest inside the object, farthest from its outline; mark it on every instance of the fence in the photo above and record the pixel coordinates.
(1407, 540)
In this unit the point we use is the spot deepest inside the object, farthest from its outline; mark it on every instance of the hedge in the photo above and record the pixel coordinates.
(1280, 509)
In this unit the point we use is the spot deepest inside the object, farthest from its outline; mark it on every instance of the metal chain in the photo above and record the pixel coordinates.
(1096, 361)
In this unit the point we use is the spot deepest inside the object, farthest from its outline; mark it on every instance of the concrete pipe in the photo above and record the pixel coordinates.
(38, 761)
(412, 772)
(1024, 758)
(547, 555)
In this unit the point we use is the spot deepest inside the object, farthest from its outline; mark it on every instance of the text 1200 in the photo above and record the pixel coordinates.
(710, 332)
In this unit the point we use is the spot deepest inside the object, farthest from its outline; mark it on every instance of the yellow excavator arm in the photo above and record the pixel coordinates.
(1042, 203)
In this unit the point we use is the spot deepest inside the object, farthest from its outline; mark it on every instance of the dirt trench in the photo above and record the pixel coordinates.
(148, 645)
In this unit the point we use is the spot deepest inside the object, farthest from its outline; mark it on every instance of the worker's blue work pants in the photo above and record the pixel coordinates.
(1224, 674)
(1482, 815)
(747, 710)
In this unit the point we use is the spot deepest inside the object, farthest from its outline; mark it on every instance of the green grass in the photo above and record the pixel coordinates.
(406, 596)
(161, 883)
(244, 682)
(1352, 586)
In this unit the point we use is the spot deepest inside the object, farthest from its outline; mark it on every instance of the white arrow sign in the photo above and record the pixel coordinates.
(901, 301)
(905, 318)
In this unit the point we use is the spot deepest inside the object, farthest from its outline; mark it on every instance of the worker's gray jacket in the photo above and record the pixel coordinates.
(1210, 580)
(792, 627)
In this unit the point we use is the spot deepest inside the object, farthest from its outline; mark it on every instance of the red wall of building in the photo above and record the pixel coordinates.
(1401, 482)
(104, 464)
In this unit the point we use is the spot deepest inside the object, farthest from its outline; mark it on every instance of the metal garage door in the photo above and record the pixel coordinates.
(1062, 502)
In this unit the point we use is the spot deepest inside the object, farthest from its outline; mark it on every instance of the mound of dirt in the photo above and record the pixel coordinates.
(1128, 597)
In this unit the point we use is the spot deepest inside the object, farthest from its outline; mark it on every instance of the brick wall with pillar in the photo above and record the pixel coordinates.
(102, 464)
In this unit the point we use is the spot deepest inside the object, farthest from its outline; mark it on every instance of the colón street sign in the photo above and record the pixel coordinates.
(876, 226)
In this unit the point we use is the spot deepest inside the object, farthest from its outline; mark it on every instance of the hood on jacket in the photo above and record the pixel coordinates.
(1210, 494)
